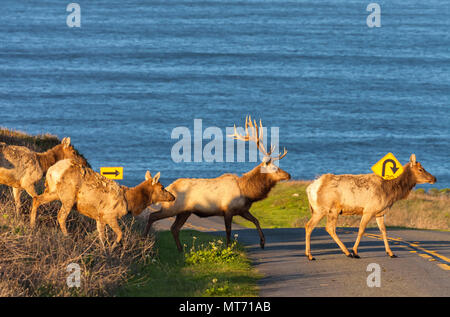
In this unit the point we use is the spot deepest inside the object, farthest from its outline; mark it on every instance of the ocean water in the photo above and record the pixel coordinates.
(342, 94)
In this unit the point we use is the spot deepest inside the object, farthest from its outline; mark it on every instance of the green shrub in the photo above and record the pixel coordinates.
(213, 252)
(219, 289)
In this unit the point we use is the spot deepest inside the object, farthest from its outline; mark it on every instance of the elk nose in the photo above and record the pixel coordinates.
(434, 180)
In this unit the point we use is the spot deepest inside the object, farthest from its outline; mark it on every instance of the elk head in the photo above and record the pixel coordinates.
(68, 152)
(158, 191)
(420, 174)
(267, 166)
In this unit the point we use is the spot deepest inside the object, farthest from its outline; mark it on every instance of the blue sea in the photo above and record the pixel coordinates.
(341, 93)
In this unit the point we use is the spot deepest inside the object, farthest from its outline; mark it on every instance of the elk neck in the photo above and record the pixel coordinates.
(49, 157)
(255, 185)
(399, 188)
(138, 198)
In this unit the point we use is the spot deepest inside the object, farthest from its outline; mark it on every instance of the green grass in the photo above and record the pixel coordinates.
(206, 268)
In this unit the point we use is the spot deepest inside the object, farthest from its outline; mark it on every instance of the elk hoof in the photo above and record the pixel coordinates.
(355, 256)
(350, 255)
(393, 256)
(262, 245)
(310, 257)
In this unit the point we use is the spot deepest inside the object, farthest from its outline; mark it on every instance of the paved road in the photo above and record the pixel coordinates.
(421, 269)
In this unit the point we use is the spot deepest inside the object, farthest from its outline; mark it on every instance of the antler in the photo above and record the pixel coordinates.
(280, 156)
(256, 136)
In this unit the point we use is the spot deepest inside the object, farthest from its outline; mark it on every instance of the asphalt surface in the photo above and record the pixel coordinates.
(421, 269)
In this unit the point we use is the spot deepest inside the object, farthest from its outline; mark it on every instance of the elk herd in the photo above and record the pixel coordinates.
(69, 179)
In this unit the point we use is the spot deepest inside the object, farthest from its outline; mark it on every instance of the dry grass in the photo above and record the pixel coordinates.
(37, 143)
(34, 263)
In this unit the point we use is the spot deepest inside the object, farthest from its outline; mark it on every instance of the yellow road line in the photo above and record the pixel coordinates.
(426, 253)
(444, 266)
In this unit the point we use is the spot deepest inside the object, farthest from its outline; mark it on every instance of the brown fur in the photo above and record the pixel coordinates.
(226, 196)
(21, 167)
(368, 195)
(255, 185)
(96, 197)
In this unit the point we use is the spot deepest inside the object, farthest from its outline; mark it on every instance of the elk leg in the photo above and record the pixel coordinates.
(101, 232)
(362, 227)
(17, 191)
(63, 212)
(40, 200)
(176, 226)
(382, 227)
(228, 220)
(309, 227)
(31, 191)
(116, 228)
(247, 215)
(331, 229)
(155, 217)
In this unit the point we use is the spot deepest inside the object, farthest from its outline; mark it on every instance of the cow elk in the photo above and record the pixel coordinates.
(96, 196)
(228, 195)
(368, 195)
(21, 168)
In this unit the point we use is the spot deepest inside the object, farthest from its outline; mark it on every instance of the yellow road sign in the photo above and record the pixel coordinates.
(388, 167)
(112, 172)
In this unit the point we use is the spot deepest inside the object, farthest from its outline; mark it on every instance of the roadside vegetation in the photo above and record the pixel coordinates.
(207, 267)
(287, 207)
(35, 263)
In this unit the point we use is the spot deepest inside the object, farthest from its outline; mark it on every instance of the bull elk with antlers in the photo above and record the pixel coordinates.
(21, 167)
(368, 195)
(228, 195)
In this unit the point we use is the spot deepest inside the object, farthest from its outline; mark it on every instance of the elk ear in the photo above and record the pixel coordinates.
(66, 142)
(412, 159)
(148, 176)
(156, 178)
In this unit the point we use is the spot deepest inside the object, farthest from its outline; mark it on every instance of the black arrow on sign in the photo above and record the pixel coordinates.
(116, 172)
(394, 167)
